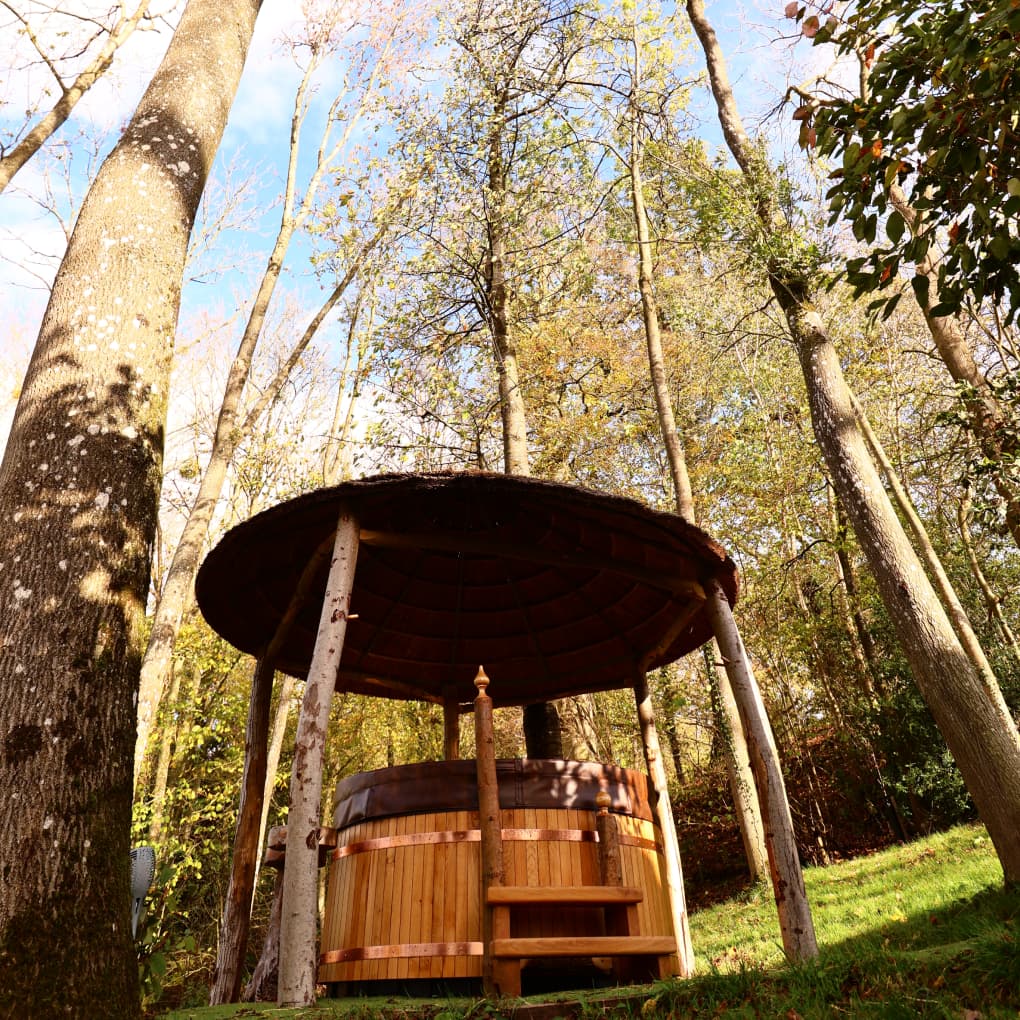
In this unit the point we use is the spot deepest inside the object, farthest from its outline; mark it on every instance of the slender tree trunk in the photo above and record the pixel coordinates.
(957, 614)
(511, 399)
(973, 719)
(992, 601)
(53, 119)
(79, 494)
(749, 813)
(982, 738)
(230, 431)
(168, 738)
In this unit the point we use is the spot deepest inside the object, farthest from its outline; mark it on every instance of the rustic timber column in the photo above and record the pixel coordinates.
(451, 724)
(236, 919)
(795, 923)
(300, 893)
(490, 824)
(667, 825)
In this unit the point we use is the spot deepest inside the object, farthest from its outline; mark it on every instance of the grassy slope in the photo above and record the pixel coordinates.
(923, 930)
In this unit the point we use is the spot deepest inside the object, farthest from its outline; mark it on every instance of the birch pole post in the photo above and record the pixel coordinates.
(795, 922)
(300, 876)
(236, 919)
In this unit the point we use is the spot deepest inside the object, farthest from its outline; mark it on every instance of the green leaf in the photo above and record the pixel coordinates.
(894, 227)
(999, 246)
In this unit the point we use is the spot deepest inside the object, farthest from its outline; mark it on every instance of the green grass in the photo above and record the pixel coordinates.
(924, 930)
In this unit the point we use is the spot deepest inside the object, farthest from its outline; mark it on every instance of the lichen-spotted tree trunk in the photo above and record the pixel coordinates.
(980, 732)
(79, 491)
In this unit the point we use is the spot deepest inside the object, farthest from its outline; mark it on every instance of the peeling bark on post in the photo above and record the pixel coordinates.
(795, 923)
(300, 885)
(667, 824)
(251, 812)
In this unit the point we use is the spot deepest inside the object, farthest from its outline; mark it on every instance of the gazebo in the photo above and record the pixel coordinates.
(402, 586)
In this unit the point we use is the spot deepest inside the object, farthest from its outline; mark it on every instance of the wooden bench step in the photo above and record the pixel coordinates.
(570, 895)
(629, 945)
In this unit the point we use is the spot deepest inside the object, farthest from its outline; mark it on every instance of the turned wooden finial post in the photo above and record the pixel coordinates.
(489, 822)
(610, 868)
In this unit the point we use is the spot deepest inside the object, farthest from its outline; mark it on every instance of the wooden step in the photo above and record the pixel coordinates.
(629, 945)
(571, 895)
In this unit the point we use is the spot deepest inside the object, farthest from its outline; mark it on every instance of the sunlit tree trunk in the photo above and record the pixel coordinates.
(79, 493)
(231, 427)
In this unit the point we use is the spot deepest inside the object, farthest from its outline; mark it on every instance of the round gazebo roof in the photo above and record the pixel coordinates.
(556, 590)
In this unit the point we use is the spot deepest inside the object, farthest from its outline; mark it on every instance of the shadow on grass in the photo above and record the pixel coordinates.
(961, 963)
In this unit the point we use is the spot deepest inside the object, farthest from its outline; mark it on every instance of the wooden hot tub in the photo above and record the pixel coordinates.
(403, 887)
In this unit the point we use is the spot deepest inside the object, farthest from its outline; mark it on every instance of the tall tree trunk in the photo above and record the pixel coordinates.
(748, 810)
(79, 494)
(178, 590)
(981, 735)
(168, 739)
(973, 719)
(231, 429)
(511, 399)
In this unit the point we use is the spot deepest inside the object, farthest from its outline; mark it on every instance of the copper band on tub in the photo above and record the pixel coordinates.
(402, 951)
(474, 836)
(550, 836)
(407, 839)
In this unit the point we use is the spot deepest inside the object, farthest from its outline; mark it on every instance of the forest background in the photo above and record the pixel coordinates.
(374, 352)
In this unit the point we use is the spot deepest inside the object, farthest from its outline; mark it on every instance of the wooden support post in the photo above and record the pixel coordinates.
(226, 985)
(667, 825)
(236, 919)
(300, 885)
(497, 975)
(451, 724)
(795, 923)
